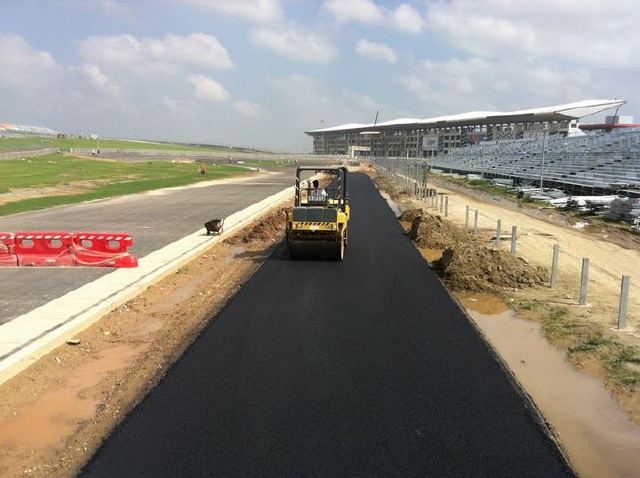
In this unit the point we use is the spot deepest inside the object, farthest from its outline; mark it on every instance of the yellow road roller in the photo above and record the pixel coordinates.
(317, 227)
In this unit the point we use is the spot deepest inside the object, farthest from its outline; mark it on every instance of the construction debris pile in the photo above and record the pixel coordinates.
(476, 268)
(467, 263)
(434, 232)
(267, 228)
(623, 209)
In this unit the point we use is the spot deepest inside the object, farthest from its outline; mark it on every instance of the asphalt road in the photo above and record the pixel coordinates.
(155, 218)
(359, 368)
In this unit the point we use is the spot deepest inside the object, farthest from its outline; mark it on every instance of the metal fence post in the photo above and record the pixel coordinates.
(498, 232)
(554, 266)
(514, 235)
(624, 302)
(475, 223)
(584, 281)
(466, 217)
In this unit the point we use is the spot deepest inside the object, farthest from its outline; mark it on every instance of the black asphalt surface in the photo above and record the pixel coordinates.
(359, 368)
(155, 219)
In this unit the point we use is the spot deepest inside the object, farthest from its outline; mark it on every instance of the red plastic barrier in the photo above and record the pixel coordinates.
(7, 257)
(44, 249)
(99, 249)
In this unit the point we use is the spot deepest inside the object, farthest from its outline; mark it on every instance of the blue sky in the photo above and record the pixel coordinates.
(260, 72)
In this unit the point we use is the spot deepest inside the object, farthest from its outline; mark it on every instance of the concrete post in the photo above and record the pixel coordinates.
(441, 202)
(475, 223)
(624, 302)
(584, 281)
(446, 206)
(554, 266)
(514, 235)
(498, 233)
(466, 217)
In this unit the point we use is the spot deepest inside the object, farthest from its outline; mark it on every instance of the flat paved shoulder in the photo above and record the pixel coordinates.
(155, 218)
(359, 368)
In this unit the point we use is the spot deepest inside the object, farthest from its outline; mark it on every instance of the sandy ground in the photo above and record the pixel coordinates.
(75, 187)
(56, 413)
(609, 259)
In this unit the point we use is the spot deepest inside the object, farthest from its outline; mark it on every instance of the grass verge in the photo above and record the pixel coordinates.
(99, 179)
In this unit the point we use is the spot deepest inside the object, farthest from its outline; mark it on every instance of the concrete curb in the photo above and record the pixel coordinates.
(30, 336)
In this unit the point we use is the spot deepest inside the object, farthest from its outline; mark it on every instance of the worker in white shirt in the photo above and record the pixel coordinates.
(318, 194)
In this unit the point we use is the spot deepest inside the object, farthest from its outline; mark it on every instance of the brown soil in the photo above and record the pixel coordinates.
(409, 215)
(55, 414)
(465, 263)
(267, 229)
(75, 187)
(473, 267)
(433, 232)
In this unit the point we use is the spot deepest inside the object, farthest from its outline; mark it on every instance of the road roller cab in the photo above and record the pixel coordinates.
(317, 226)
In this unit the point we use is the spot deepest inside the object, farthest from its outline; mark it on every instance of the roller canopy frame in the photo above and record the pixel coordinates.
(339, 171)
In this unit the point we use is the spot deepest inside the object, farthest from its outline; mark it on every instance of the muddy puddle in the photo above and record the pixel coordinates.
(600, 439)
(57, 413)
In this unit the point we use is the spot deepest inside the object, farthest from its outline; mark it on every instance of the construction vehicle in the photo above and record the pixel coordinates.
(317, 227)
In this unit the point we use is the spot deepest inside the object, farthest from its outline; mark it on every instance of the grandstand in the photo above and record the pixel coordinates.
(599, 163)
(548, 143)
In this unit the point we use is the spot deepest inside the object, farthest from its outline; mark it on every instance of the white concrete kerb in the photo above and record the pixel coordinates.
(32, 335)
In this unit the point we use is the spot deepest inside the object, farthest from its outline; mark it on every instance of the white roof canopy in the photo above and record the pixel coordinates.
(566, 111)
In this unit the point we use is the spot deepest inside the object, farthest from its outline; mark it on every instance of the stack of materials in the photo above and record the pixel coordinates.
(625, 209)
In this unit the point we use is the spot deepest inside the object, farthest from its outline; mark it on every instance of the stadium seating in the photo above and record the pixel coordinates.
(604, 161)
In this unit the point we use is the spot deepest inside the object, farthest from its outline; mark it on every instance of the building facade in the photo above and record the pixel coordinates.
(437, 136)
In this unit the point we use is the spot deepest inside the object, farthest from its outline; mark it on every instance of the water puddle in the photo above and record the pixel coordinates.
(599, 437)
(488, 304)
(56, 414)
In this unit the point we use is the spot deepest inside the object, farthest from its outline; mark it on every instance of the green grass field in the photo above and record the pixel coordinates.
(17, 144)
(112, 178)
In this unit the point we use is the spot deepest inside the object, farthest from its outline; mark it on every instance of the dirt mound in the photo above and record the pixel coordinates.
(476, 268)
(410, 214)
(270, 227)
(433, 232)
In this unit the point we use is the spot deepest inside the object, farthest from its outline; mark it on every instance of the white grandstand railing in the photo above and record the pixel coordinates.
(605, 161)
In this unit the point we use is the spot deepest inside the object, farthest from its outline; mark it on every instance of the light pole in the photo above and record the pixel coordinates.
(544, 144)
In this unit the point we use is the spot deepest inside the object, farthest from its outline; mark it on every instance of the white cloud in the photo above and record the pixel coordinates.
(407, 18)
(404, 17)
(100, 80)
(378, 51)
(24, 67)
(253, 10)
(175, 107)
(454, 86)
(247, 108)
(309, 100)
(583, 32)
(208, 89)
(364, 11)
(126, 52)
(296, 45)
